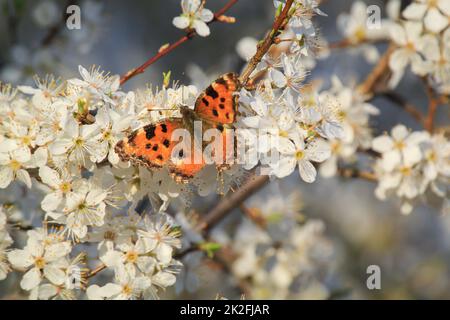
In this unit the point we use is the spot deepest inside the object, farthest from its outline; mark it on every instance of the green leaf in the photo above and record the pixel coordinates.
(166, 78)
(81, 103)
(210, 248)
(279, 9)
(274, 217)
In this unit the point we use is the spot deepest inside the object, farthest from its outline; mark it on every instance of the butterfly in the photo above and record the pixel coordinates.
(152, 145)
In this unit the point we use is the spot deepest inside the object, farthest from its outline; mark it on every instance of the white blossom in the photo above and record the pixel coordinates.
(194, 16)
(41, 258)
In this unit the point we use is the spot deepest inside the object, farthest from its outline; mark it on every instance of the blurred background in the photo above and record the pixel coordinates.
(412, 251)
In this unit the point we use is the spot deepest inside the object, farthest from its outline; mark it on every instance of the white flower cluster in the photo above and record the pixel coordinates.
(49, 272)
(140, 252)
(410, 164)
(287, 258)
(291, 130)
(354, 112)
(60, 141)
(358, 30)
(423, 41)
(5, 242)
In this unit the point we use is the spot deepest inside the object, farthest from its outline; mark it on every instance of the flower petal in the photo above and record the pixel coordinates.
(31, 279)
(382, 143)
(201, 28)
(54, 275)
(6, 176)
(435, 21)
(307, 171)
(181, 22)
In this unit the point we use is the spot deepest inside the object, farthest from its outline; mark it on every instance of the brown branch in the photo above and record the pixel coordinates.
(264, 46)
(96, 270)
(347, 43)
(405, 105)
(227, 204)
(355, 173)
(433, 103)
(167, 49)
(370, 83)
(254, 215)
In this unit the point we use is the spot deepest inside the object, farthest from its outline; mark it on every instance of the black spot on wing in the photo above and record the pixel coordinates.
(222, 81)
(148, 146)
(166, 143)
(211, 92)
(155, 147)
(164, 127)
(159, 157)
(205, 101)
(221, 106)
(149, 131)
(222, 99)
(215, 113)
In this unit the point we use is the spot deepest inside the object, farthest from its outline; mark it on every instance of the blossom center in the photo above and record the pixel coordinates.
(411, 47)
(107, 135)
(335, 147)
(432, 3)
(79, 142)
(15, 165)
(131, 256)
(406, 171)
(39, 262)
(82, 206)
(399, 145)
(65, 187)
(431, 156)
(283, 134)
(342, 114)
(299, 155)
(55, 126)
(360, 33)
(26, 140)
(127, 290)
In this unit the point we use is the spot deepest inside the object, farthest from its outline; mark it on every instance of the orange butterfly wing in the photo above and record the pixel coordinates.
(218, 103)
(152, 146)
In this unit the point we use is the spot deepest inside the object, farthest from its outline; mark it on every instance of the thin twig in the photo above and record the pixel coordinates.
(355, 173)
(346, 43)
(433, 103)
(265, 45)
(254, 215)
(405, 105)
(382, 67)
(227, 204)
(98, 269)
(167, 49)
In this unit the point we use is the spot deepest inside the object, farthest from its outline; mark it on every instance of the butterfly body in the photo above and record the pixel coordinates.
(153, 146)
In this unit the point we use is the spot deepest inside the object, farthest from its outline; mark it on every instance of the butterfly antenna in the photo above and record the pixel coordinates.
(162, 109)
